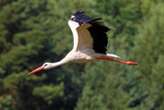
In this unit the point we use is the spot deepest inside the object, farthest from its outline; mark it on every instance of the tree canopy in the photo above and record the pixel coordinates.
(35, 31)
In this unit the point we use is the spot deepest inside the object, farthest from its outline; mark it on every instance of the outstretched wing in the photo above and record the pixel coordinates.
(89, 33)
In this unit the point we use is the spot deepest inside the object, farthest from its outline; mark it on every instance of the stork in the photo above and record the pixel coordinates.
(90, 42)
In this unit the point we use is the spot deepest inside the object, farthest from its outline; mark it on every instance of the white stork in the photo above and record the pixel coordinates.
(90, 41)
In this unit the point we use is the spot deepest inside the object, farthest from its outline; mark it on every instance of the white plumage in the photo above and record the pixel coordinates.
(90, 41)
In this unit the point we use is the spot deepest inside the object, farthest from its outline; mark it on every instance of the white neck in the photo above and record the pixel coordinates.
(56, 64)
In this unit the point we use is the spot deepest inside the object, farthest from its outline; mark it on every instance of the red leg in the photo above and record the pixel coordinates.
(110, 58)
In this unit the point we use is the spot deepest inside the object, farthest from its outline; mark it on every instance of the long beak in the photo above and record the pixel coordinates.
(37, 70)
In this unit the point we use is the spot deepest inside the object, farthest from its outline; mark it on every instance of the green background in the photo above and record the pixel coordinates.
(36, 31)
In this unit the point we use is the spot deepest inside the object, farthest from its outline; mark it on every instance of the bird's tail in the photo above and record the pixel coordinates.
(115, 58)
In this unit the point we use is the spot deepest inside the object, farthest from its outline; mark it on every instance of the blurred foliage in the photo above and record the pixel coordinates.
(33, 31)
(48, 92)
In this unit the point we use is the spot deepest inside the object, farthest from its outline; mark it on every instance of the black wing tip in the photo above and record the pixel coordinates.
(100, 26)
(94, 21)
(99, 35)
(98, 23)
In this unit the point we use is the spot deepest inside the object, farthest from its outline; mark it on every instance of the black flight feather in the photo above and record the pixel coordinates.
(99, 35)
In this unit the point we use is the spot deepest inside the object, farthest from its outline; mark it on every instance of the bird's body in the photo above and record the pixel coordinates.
(90, 42)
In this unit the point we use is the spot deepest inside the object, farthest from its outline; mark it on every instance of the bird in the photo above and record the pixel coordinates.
(89, 43)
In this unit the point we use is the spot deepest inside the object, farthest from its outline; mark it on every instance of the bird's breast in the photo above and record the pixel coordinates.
(79, 57)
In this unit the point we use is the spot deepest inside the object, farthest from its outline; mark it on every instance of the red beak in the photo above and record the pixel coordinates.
(37, 70)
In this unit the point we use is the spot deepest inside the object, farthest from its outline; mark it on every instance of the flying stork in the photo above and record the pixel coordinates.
(90, 42)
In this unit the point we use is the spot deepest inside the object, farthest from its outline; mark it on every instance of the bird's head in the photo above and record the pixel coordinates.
(41, 68)
(78, 18)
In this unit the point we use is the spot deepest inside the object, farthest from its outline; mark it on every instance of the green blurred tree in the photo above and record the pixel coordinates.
(137, 28)
(33, 31)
